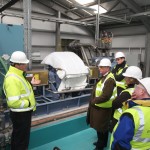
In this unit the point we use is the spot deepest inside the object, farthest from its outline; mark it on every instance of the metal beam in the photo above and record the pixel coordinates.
(60, 8)
(95, 2)
(133, 5)
(112, 13)
(80, 7)
(9, 4)
(146, 13)
(27, 30)
(147, 56)
(115, 19)
(137, 9)
(50, 19)
(113, 6)
(105, 1)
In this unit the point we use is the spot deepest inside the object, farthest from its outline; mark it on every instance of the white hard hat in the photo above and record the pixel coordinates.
(19, 57)
(133, 72)
(105, 62)
(146, 83)
(119, 55)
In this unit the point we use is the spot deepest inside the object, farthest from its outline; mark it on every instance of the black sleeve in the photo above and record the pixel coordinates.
(117, 103)
(120, 76)
(119, 147)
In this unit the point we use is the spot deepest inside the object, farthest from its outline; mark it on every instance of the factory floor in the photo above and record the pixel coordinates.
(70, 133)
(79, 141)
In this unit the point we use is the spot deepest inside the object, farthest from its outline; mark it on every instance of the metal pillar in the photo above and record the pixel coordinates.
(97, 26)
(58, 40)
(27, 30)
(147, 56)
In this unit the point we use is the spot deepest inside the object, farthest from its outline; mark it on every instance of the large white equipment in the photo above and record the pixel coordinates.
(70, 69)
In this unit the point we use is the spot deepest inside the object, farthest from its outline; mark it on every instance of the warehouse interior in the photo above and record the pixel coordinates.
(42, 27)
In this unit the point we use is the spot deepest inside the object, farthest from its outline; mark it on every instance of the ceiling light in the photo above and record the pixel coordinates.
(82, 2)
(101, 9)
(87, 12)
(69, 1)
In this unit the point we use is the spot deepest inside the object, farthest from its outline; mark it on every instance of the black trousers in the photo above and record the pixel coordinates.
(112, 125)
(102, 140)
(21, 130)
(119, 90)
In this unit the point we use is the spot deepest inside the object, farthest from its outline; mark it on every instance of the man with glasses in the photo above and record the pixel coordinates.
(20, 99)
(118, 70)
(100, 106)
(133, 128)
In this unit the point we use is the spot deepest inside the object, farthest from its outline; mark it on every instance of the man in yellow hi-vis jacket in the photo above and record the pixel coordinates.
(133, 128)
(100, 105)
(20, 99)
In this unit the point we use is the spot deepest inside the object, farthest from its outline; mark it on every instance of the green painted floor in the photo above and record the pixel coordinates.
(79, 141)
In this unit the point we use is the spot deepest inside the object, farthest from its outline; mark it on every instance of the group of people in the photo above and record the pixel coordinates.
(120, 105)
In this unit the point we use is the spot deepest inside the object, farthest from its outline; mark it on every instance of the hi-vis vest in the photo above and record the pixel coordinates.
(121, 83)
(99, 91)
(141, 138)
(119, 111)
(18, 91)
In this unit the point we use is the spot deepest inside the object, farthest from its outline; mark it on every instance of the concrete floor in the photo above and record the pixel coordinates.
(79, 141)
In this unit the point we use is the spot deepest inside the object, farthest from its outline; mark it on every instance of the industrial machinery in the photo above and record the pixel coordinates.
(66, 85)
(63, 86)
(91, 55)
(5, 128)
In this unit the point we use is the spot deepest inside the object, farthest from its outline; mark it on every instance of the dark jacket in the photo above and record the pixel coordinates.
(98, 117)
(119, 77)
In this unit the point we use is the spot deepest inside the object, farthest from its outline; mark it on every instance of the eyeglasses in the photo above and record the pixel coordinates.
(117, 59)
(101, 67)
(140, 86)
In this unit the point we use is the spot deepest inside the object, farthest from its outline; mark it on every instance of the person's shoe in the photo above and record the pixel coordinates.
(99, 148)
(95, 143)
(56, 148)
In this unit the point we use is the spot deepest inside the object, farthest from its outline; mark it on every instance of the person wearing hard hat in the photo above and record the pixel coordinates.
(133, 128)
(132, 75)
(100, 106)
(118, 70)
(20, 99)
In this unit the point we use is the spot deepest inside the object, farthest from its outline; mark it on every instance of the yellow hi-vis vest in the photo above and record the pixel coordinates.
(119, 111)
(18, 91)
(121, 83)
(141, 138)
(99, 91)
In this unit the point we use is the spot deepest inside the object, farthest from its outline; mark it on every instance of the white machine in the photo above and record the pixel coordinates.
(69, 68)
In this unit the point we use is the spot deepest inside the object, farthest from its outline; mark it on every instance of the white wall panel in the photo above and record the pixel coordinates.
(43, 25)
(129, 41)
(74, 29)
(12, 20)
(82, 39)
(132, 30)
(44, 51)
(43, 38)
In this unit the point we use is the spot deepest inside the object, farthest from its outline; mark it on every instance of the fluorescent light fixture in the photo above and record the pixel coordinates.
(87, 12)
(83, 2)
(69, 1)
(101, 9)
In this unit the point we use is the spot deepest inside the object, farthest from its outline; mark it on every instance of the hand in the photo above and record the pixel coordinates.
(35, 81)
(93, 102)
(133, 96)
